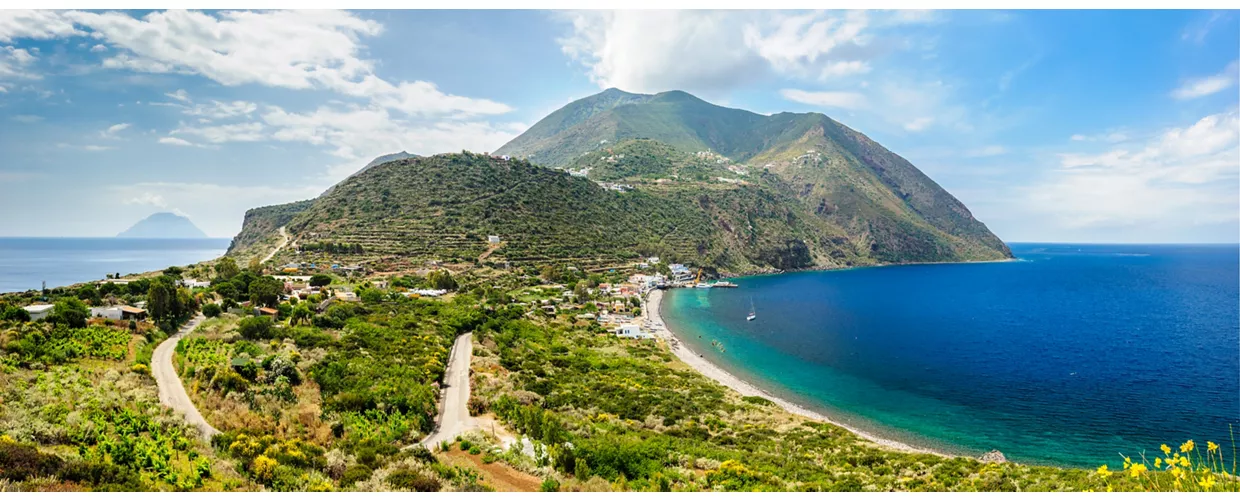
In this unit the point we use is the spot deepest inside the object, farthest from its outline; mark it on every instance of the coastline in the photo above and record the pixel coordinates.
(774, 272)
(652, 319)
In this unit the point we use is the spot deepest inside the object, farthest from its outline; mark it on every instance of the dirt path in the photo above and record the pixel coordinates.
(171, 392)
(283, 234)
(454, 416)
(495, 474)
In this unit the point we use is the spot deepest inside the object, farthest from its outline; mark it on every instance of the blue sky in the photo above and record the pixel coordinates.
(1092, 126)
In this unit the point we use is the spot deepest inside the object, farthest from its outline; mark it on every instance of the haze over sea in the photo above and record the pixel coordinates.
(26, 262)
(1069, 356)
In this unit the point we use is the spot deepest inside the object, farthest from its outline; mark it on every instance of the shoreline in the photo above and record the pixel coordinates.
(776, 272)
(653, 320)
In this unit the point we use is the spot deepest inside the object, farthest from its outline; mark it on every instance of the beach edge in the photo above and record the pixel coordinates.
(653, 320)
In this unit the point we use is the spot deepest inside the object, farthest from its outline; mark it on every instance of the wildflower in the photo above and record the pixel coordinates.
(1109, 489)
(1184, 462)
(1187, 446)
(1206, 482)
(1210, 446)
(1158, 462)
(1136, 470)
(1166, 449)
(1127, 463)
(1102, 471)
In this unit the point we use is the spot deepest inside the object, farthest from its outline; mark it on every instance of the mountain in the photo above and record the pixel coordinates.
(876, 196)
(163, 225)
(617, 176)
(386, 158)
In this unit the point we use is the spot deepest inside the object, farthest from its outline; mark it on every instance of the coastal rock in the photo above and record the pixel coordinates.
(993, 456)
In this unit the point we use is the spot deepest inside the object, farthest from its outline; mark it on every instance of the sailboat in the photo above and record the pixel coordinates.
(752, 313)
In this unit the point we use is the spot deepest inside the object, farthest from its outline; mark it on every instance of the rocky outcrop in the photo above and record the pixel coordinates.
(993, 456)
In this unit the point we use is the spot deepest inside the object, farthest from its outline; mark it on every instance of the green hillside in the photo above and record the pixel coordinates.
(443, 207)
(892, 211)
(261, 224)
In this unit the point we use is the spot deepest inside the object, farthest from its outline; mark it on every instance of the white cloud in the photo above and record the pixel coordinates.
(180, 95)
(358, 134)
(654, 51)
(99, 48)
(844, 68)
(804, 43)
(1201, 87)
(147, 198)
(286, 49)
(918, 124)
(14, 63)
(1112, 137)
(36, 24)
(27, 118)
(233, 132)
(175, 141)
(85, 147)
(845, 100)
(110, 132)
(1184, 175)
(3, 90)
(220, 110)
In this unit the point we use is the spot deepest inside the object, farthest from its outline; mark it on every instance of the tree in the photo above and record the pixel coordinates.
(161, 300)
(256, 265)
(211, 310)
(255, 327)
(441, 280)
(226, 269)
(301, 314)
(228, 304)
(372, 296)
(320, 280)
(226, 290)
(265, 291)
(70, 311)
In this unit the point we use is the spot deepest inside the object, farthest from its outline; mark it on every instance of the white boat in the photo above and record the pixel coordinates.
(752, 313)
(703, 285)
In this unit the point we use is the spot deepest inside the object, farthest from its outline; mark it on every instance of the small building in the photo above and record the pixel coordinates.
(130, 312)
(193, 283)
(118, 313)
(266, 311)
(382, 285)
(632, 332)
(38, 311)
(346, 296)
(493, 239)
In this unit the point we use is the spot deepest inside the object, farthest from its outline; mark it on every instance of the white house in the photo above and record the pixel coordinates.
(492, 239)
(38, 311)
(106, 312)
(653, 260)
(632, 332)
(193, 283)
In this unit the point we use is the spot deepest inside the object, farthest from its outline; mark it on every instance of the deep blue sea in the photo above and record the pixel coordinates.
(26, 262)
(1069, 356)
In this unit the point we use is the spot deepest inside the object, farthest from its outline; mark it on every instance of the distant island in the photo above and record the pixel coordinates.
(163, 225)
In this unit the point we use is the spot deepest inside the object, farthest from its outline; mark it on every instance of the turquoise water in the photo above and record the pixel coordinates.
(25, 263)
(1069, 356)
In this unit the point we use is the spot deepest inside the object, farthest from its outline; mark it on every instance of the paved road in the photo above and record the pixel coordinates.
(454, 416)
(283, 234)
(171, 393)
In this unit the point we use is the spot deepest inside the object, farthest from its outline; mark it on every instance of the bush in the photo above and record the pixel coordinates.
(320, 280)
(406, 479)
(211, 310)
(355, 473)
(549, 484)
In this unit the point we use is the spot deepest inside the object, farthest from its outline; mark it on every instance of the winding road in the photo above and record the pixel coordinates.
(283, 234)
(454, 416)
(171, 392)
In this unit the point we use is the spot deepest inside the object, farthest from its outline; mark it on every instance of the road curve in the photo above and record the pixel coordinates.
(283, 234)
(454, 416)
(171, 393)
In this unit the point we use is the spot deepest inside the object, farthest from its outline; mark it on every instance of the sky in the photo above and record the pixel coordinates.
(1051, 126)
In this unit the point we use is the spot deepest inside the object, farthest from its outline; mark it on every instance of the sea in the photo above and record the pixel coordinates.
(26, 263)
(1070, 355)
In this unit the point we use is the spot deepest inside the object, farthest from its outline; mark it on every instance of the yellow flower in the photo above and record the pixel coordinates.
(1157, 462)
(1102, 471)
(1136, 470)
(1187, 446)
(1206, 482)
(1166, 449)
(1210, 446)
(1183, 461)
(1109, 489)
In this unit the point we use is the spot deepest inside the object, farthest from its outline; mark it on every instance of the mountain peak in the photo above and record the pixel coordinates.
(163, 225)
